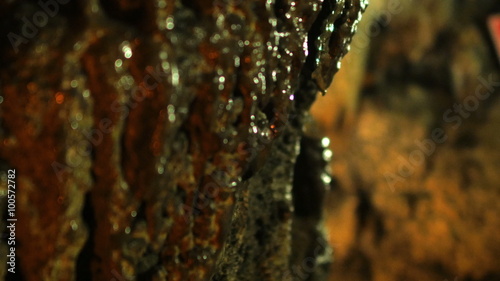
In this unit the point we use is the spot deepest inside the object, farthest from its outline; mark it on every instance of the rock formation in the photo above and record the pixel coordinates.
(157, 140)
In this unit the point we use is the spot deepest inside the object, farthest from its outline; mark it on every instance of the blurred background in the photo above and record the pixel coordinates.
(414, 122)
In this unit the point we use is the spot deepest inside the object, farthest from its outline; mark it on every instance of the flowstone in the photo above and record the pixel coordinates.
(157, 140)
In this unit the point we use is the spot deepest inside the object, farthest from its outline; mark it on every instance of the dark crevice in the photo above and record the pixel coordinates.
(308, 189)
(412, 200)
(201, 7)
(146, 276)
(86, 255)
(136, 13)
(269, 110)
(123, 156)
(249, 171)
(237, 94)
(466, 140)
(307, 89)
(280, 9)
(339, 124)
(141, 212)
(470, 171)
(192, 5)
(148, 265)
(312, 39)
(379, 229)
(84, 259)
(260, 234)
(364, 209)
(360, 263)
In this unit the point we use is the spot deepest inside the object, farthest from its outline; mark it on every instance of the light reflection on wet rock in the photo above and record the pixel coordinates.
(164, 133)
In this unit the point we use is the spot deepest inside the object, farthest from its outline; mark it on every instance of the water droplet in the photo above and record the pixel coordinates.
(59, 98)
(170, 23)
(327, 155)
(229, 104)
(162, 4)
(160, 169)
(74, 84)
(266, 133)
(171, 113)
(127, 51)
(215, 38)
(133, 214)
(95, 8)
(175, 76)
(77, 46)
(325, 142)
(74, 225)
(118, 63)
(326, 178)
(86, 93)
(127, 230)
(305, 48)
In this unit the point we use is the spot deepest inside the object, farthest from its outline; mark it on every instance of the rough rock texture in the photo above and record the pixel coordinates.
(157, 140)
(407, 207)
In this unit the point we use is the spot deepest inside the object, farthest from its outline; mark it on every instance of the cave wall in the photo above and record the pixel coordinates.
(157, 140)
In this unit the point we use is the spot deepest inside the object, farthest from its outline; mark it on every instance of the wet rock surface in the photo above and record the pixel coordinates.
(157, 140)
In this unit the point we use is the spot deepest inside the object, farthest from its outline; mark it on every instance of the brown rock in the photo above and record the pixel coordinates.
(156, 140)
